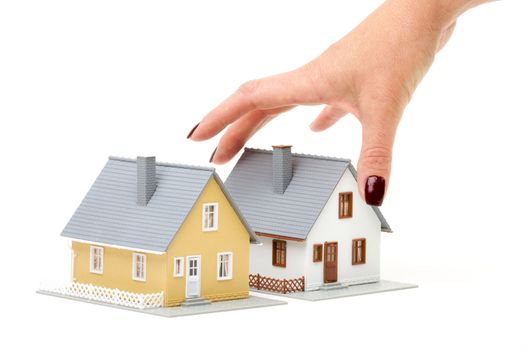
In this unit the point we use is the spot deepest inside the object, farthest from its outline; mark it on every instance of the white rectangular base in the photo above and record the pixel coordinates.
(218, 306)
(359, 289)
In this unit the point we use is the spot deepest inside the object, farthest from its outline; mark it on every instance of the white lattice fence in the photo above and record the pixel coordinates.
(109, 295)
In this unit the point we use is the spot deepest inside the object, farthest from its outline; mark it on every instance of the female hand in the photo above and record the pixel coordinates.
(371, 73)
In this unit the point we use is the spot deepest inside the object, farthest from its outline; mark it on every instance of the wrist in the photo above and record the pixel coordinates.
(436, 13)
(454, 8)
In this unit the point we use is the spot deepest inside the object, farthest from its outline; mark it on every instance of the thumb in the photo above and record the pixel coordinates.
(375, 160)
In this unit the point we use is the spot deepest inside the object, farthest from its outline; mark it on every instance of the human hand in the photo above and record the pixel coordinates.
(371, 73)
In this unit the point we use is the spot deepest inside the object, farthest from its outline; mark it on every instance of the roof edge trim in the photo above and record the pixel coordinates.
(171, 165)
(287, 238)
(115, 246)
(302, 155)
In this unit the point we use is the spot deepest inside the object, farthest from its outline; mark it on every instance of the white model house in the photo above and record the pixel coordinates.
(315, 229)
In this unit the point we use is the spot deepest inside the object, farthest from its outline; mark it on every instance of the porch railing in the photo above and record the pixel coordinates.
(277, 285)
(107, 295)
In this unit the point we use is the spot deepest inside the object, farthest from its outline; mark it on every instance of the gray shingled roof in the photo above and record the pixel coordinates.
(293, 213)
(109, 213)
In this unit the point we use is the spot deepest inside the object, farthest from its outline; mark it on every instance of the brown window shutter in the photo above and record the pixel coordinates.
(274, 252)
(285, 253)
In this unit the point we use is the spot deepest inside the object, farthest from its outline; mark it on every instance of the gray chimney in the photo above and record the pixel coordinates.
(282, 168)
(146, 179)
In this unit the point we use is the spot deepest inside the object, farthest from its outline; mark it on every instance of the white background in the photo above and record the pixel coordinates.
(81, 80)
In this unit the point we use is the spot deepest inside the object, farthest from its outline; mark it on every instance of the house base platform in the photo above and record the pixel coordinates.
(354, 290)
(177, 311)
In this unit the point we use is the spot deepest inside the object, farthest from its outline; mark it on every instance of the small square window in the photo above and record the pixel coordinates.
(224, 266)
(96, 259)
(178, 267)
(345, 205)
(210, 217)
(139, 267)
(358, 254)
(317, 252)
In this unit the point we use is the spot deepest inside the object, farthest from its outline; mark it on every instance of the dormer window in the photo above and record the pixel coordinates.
(345, 205)
(210, 217)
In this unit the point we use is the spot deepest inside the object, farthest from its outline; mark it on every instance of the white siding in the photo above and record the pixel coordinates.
(262, 256)
(329, 228)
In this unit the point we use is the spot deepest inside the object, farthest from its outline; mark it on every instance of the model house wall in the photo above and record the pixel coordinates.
(117, 269)
(231, 236)
(329, 227)
(311, 209)
(262, 255)
(147, 228)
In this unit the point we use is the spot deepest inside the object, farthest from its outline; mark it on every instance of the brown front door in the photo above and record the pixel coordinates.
(331, 253)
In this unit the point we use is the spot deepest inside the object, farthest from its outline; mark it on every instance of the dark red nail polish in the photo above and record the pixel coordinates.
(374, 191)
(192, 131)
(212, 155)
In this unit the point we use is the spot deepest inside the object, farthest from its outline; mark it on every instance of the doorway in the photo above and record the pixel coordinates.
(193, 277)
(330, 262)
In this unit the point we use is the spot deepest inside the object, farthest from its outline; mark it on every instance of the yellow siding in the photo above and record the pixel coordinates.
(117, 270)
(231, 236)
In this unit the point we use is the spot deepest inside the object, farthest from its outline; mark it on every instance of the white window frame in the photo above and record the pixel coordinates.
(182, 266)
(134, 267)
(214, 218)
(230, 265)
(93, 252)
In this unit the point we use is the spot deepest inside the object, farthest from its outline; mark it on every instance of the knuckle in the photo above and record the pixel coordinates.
(235, 142)
(316, 80)
(311, 69)
(248, 91)
(249, 87)
(378, 158)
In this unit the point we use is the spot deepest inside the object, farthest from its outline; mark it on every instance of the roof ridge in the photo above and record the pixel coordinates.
(303, 155)
(165, 164)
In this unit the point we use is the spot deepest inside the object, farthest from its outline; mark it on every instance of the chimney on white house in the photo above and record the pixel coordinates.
(282, 168)
(146, 179)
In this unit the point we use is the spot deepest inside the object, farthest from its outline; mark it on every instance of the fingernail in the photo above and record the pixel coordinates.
(212, 155)
(192, 131)
(375, 187)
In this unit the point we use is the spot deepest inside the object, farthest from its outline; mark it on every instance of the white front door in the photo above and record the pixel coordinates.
(193, 276)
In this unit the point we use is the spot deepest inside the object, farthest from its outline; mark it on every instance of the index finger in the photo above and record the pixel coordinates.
(276, 91)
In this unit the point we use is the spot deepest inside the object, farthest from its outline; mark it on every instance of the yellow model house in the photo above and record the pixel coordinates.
(168, 232)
